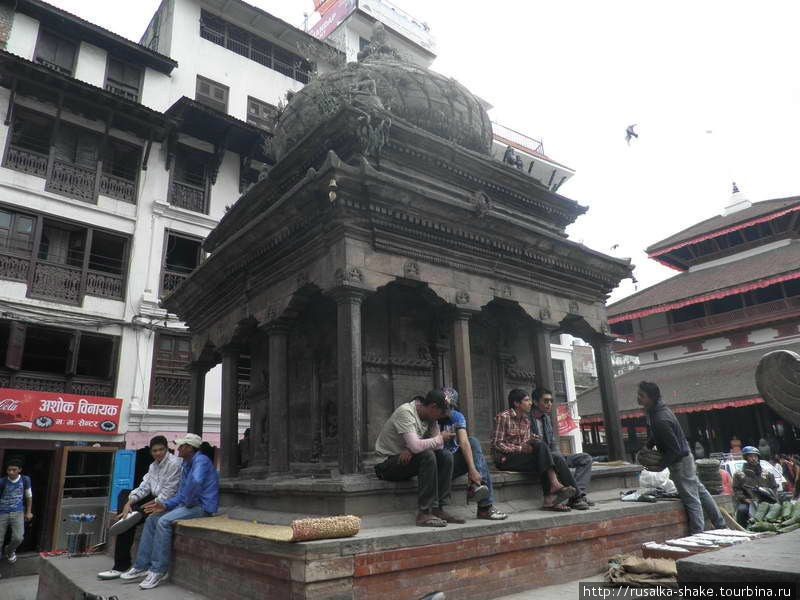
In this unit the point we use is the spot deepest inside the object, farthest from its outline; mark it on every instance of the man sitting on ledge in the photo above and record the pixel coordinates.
(516, 448)
(412, 444)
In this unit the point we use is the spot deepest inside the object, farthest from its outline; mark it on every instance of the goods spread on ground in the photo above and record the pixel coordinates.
(781, 517)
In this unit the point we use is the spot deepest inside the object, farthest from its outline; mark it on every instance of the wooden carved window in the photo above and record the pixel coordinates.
(182, 255)
(190, 177)
(170, 382)
(56, 53)
(123, 79)
(212, 94)
(261, 114)
(16, 232)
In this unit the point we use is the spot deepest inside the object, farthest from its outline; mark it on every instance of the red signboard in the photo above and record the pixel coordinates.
(565, 422)
(335, 12)
(53, 412)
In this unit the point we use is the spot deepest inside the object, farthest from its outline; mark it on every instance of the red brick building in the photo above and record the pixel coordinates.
(700, 334)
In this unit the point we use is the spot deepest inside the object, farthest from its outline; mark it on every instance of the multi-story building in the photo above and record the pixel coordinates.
(118, 160)
(700, 334)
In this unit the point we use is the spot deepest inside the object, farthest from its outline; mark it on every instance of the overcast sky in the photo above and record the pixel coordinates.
(713, 85)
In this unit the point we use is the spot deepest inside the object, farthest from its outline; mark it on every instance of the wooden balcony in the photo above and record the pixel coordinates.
(189, 196)
(710, 325)
(67, 179)
(47, 382)
(170, 280)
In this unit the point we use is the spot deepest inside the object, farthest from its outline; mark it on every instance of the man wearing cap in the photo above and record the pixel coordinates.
(198, 496)
(747, 481)
(159, 484)
(468, 459)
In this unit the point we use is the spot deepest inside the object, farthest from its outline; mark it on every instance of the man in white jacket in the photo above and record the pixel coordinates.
(160, 484)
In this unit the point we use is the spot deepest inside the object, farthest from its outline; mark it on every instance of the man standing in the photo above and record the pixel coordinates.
(517, 449)
(581, 462)
(159, 484)
(412, 444)
(745, 482)
(666, 435)
(468, 459)
(198, 496)
(16, 506)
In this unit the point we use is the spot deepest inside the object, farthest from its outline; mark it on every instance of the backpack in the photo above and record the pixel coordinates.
(26, 484)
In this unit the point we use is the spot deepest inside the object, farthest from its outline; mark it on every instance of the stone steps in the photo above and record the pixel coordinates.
(64, 578)
(27, 564)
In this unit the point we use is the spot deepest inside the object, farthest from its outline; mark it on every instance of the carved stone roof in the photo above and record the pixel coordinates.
(431, 101)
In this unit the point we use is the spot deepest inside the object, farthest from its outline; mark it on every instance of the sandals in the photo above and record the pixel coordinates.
(429, 520)
(557, 508)
(564, 494)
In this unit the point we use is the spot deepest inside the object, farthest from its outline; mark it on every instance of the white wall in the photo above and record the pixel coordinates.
(91, 65)
(24, 33)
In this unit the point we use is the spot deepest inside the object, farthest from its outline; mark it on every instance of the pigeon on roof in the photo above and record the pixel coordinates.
(630, 133)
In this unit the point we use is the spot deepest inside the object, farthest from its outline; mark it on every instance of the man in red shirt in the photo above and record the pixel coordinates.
(516, 448)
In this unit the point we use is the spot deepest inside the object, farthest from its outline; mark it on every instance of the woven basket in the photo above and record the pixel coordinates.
(325, 528)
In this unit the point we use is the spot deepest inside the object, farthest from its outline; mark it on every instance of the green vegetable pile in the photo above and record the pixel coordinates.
(781, 517)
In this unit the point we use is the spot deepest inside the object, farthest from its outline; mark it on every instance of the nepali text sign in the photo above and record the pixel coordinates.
(337, 11)
(53, 412)
(565, 421)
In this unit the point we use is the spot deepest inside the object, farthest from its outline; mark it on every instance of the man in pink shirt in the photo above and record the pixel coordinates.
(412, 445)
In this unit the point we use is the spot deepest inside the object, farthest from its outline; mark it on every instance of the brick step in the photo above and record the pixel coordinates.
(67, 579)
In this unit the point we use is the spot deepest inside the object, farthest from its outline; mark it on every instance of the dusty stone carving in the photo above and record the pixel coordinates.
(462, 297)
(574, 307)
(411, 269)
(349, 275)
(544, 314)
(481, 203)
(505, 291)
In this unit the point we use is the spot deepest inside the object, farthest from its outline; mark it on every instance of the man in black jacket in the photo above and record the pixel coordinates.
(666, 434)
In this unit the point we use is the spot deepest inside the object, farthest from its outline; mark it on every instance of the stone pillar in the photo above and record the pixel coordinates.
(462, 360)
(259, 399)
(229, 422)
(543, 369)
(608, 395)
(197, 392)
(349, 372)
(439, 358)
(278, 437)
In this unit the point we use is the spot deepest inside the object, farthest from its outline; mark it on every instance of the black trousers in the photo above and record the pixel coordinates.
(434, 472)
(539, 461)
(124, 541)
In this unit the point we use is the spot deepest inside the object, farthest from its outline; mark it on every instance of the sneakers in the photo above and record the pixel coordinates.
(152, 580)
(477, 493)
(131, 520)
(110, 574)
(490, 513)
(133, 573)
(12, 558)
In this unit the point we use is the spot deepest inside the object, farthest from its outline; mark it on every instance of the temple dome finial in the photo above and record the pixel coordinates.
(737, 202)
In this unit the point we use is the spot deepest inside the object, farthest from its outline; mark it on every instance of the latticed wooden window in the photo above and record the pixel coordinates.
(170, 384)
(261, 114)
(55, 52)
(212, 94)
(123, 79)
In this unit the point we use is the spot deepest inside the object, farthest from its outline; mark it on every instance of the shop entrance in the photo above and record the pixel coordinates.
(38, 465)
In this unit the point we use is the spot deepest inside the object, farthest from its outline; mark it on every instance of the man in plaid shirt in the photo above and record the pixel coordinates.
(516, 448)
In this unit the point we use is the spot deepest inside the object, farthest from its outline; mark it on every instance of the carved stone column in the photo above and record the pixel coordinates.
(278, 398)
(543, 368)
(350, 392)
(229, 425)
(608, 396)
(462, 360)
(197, 392)
(259, 399)
(439, 359)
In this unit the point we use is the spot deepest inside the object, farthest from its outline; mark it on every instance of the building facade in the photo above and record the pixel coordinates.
(700, 334)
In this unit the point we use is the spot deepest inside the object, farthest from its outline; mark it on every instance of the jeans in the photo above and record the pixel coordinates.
(155, 547)
(16, 521)
(434, 471)
(539, 462)
(582, 463)
(694, 495)
(124, 541)
(460, 468)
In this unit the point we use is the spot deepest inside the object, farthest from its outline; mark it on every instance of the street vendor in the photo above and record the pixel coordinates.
(747, 481)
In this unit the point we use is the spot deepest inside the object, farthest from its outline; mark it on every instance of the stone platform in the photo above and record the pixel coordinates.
(64, 578)
(27, 564)
(278, 499)
(772, 559)
(478, 560)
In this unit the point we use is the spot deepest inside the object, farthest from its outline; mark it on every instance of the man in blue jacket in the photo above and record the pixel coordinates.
(198, 496)
(16, 500)
(665, 433)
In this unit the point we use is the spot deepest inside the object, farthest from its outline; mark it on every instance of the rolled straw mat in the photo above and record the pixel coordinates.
(300, 530)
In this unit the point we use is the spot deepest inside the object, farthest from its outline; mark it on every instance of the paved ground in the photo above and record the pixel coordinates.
(19, 588)
(562, 591)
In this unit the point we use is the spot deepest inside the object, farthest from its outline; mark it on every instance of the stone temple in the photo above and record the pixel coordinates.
(385, 253)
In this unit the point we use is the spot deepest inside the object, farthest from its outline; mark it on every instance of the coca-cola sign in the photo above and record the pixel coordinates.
(54, 412)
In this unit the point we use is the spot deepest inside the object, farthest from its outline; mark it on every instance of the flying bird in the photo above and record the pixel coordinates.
(615, 246)
(630, 133)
